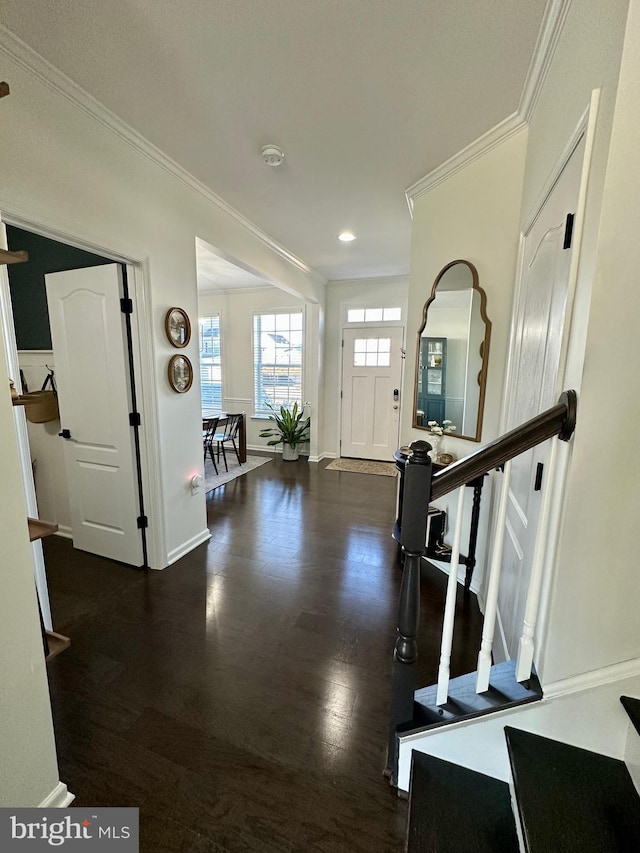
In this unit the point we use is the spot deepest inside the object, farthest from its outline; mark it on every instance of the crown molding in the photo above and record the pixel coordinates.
(508, 127)
(550, 30)
(230, 291)
(54, 79)
(552, 24)
(383, 279)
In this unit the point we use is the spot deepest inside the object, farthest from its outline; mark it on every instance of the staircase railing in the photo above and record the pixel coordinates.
(420, 488)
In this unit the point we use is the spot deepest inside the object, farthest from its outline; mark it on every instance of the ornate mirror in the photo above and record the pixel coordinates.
(453, 353)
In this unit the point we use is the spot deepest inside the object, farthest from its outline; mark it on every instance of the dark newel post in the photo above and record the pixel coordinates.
(413, 537)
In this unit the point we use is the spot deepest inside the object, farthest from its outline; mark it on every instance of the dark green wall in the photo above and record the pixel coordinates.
(28, 293)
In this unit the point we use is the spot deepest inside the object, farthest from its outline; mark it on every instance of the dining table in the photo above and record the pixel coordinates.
(242, 432)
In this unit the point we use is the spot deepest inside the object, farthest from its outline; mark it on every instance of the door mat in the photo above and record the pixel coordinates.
(213, 480)
(363, 466)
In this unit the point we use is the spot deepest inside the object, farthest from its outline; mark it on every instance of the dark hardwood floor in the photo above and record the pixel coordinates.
(239, 698)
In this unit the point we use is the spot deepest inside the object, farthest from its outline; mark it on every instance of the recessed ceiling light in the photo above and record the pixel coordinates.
(346, 237)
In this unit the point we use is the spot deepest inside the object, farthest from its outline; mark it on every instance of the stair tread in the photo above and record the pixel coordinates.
(453, 809)
(571, 799)
(632, 707)
(464, 703)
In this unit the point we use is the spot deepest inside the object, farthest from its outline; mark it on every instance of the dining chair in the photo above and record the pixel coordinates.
(209, 427)
(230, 434)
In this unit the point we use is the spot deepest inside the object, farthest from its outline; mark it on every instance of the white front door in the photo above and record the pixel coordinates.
(536, 351)
(371, 377)
(87, 332)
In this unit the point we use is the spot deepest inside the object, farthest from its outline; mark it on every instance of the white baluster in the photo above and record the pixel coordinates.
(450, 607)
(491, 606)
(526, 646)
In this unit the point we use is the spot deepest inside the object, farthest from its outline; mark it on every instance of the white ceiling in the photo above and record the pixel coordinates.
(364, 96)
(217, 273)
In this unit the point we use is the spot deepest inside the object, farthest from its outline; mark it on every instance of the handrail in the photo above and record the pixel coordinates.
(420, 488)
(559, 420)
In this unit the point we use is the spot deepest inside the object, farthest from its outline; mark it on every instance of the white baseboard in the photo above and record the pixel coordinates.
(64, 531)
(59, 798)
(595, 678)
(278, 452)
(462, 575)
(188, 546)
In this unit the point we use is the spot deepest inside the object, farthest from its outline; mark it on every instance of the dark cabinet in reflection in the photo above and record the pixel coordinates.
(432, 376)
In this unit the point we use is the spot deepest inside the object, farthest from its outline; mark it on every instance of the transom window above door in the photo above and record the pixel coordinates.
(374, 315)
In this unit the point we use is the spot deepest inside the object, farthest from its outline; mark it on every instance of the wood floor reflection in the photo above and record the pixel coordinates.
(239, 698)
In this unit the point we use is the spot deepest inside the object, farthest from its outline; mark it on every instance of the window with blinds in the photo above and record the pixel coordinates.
(210, 362)
(277, 360)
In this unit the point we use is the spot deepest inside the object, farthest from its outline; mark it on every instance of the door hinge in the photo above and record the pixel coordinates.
(143, 522)
(134, 419)
(342, 343)
(126, 306)
(568, 231)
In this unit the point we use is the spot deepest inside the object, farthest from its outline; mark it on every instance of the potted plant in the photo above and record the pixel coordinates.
(291, 429)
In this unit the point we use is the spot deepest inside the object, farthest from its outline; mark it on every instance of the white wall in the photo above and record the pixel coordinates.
(88, 182)
(473, 215)
(360, 293)
(28, 767)
(597, 582)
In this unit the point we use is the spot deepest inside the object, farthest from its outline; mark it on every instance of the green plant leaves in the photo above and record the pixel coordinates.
(291, 427)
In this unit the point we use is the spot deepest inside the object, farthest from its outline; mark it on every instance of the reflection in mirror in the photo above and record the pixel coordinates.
(453, 352)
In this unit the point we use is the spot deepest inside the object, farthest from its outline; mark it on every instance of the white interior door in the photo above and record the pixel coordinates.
(87, 332)
(537, 346)
(371, 377)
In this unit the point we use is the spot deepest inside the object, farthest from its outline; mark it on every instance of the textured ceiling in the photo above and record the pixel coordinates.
(364, 96)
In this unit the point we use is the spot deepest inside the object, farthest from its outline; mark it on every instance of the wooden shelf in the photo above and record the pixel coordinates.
(39, 529)
(57, 643)
(53, 642)
(7, 257)
(25, 400)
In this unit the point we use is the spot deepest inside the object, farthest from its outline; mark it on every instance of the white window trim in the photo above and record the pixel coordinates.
(297, 309)
(223, 360)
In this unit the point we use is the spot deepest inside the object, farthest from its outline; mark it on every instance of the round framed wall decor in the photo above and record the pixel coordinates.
(178, 327)
(180, 373)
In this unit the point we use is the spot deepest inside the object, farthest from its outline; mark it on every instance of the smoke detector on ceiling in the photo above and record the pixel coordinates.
(272, 155)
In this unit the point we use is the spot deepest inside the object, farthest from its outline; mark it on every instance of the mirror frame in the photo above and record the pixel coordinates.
(484, 348)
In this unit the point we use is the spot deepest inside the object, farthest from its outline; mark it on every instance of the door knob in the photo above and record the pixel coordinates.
(65, 434)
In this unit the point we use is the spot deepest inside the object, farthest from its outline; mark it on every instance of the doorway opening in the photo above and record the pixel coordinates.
(35, 354)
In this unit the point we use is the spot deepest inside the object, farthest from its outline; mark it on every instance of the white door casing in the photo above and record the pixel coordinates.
(536, 357)
(371, 373)
(87, 332)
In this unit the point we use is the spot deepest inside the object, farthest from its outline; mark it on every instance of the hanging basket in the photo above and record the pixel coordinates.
(41, 406)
